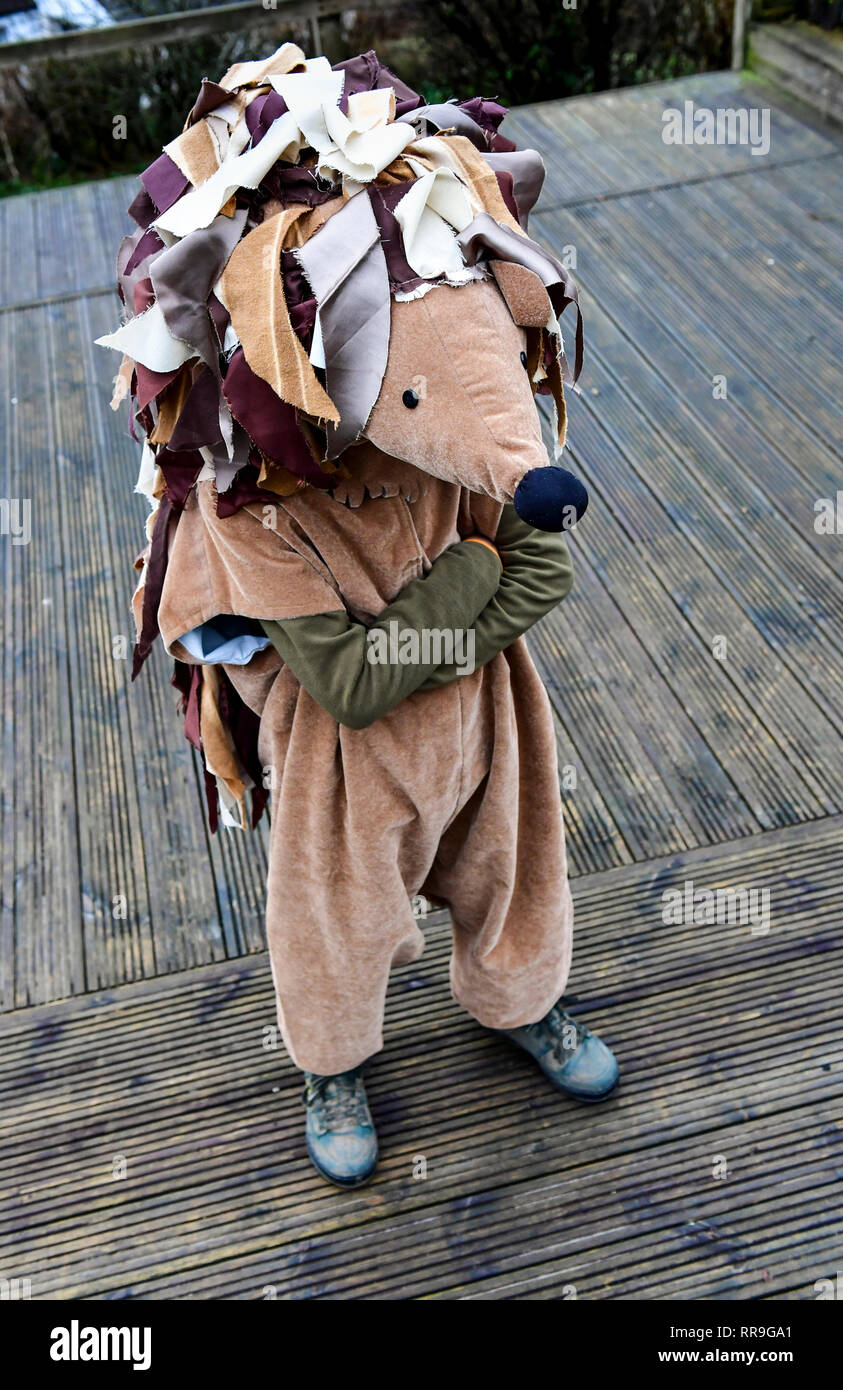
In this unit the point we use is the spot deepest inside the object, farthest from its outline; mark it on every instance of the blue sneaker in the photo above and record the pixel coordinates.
(340, 1134)
(572, 1057)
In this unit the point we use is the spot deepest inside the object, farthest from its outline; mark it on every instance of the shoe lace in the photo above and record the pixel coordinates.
(567, 1033)
(339, 1101)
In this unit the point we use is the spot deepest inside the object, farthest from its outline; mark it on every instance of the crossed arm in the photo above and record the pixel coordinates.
(500, 591)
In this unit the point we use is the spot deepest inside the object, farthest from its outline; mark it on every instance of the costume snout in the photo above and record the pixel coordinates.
(456, 402)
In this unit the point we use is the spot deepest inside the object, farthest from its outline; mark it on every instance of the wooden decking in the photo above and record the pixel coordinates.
(696, 674)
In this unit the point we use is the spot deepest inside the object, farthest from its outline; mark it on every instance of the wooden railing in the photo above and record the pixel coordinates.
(187, 24)
(740, 24)
(184, 24)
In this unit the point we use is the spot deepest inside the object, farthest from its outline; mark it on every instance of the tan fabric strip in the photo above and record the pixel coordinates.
(527, 299)
(195, 153)
(252, 290)
(217, 744)
(285, 59)
(469, 164)
(274, 478)
(171, 405)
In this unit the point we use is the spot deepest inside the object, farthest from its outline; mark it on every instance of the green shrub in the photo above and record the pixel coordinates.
(111, 113)
(534, 51)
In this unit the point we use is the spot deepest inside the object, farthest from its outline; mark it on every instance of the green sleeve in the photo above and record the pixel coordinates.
(537, 574)
(332, 656)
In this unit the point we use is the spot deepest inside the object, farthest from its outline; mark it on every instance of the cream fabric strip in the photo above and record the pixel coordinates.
(304, 93)
(364, 141)
(148, 340)
(199, 207)
(460, 156)
(146, 476)
(435, 206)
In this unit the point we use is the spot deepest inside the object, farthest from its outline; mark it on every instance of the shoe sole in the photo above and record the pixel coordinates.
(338, 1181)
(584, 1100)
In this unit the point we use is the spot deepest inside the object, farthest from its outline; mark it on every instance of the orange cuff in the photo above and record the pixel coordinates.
(481, 540)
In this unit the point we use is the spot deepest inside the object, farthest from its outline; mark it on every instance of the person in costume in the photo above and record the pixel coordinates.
(336, 325)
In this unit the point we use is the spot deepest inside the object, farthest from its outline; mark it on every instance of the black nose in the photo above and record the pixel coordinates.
(551, 499)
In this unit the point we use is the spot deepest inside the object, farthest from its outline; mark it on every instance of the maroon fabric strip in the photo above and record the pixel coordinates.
(149, 242)
(199, 419)
(365, 73)
(150, 384)
(143, 295)
(244, 490)
(303, 320)
(500, 144)
(487, 112)
(260, 797)
(180, 469)
(261, 112)
(211, 95)
(383, 198)
(164, 182)
(293, 184)
(220, 317)
(155, 574)
(188, 680)
(133, 391)
(142, 209)
(269, 421)
(296, 288)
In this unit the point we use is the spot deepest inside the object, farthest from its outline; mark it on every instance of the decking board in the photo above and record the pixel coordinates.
(146, 1036)
(525, 1191)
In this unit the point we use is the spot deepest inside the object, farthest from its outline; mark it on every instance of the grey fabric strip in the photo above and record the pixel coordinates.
(346, 269)
(225, 467)
(484, 237)
(447, 116)
(183, 277)
(527, 170)
(142, 269)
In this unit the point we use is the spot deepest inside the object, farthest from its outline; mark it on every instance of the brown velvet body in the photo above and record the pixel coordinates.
(453, 794)
(298, 317)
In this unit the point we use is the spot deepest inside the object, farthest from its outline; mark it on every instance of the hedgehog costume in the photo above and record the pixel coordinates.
(335, 324)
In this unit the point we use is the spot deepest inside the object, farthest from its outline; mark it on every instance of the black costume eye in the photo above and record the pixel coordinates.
(524, 359)
(410, 398)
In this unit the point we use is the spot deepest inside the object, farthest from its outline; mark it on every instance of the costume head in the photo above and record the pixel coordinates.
(324, 266)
